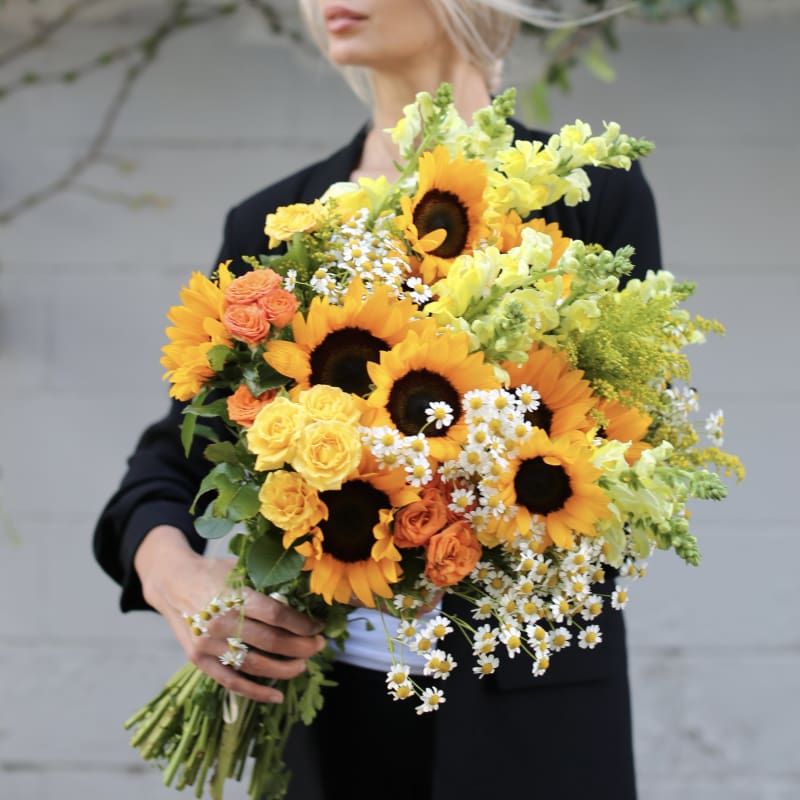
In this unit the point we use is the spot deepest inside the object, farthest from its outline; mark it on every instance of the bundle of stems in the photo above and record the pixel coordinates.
(201, 733)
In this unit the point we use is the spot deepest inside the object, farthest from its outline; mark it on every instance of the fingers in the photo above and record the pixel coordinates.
(272, 612)
(236, 682)
(267, 638)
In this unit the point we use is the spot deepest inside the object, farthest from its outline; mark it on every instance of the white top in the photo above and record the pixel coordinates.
(369, 648)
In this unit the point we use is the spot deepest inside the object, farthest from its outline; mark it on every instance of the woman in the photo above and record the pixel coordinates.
(567, 731)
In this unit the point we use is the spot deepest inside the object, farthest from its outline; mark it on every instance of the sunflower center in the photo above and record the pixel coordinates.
(541, 417)
(353, 512)
(340, 359)
(438, 209)
(542, 488)
(411, 396)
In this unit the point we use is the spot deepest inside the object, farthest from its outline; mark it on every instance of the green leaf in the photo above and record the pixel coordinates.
(219, 355)
(222, 452)
(218, 408)
(237, 544)
(536, 101)
(187, 432)
(219, 479)
(242, 504)
(594, 57)
(211, 527)
(270, 565)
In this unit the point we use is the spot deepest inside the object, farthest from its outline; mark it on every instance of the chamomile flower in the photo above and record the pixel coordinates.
(527, 397)
(713, 427)
(532, 609)
(619, 598)
(402, 691)
(431, 698)
(461, 500)
(421, 644)
(405, 602)
(438, 628)
(475, 403)
(541, 665)
(418, 291)
(290, 281)
(483, 609)
(578, 586)
(560, 638)
(439, 414)
(592, 607)
(397, 675)
(590, 637)
(511, 637)
(486, 664)
(407, 631)
(485, 640)
(419, 471)
(536, 635)
(559, 608)
(439, 664)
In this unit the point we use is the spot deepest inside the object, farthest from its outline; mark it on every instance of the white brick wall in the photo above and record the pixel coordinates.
(83, 290)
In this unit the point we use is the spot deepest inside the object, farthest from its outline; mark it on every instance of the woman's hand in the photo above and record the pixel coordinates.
(177, 581)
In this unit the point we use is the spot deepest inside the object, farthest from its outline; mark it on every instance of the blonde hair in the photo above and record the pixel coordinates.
(481, 30)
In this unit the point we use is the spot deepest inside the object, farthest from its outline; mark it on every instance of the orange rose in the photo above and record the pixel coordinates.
(452, 554)
(247, 322)
(415, 523)
(279, 306)
(252, 286)
(243, 407)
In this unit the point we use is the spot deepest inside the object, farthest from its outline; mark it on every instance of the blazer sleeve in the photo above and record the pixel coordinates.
(622, 211)
(161, 482)
(157, 489)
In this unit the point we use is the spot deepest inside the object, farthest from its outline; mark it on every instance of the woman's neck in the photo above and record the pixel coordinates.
(393, 92)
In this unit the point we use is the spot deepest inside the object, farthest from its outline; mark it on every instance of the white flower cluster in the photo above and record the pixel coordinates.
(496, 427)
(370, 253)
(535, 604)
(393, 450)
(685, 402)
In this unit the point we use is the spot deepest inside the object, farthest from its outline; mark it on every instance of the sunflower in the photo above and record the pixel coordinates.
(625, 423)
(429, 365)
(196, 328)
(552, 481)
(444, 218)
(565, 396)
(352, 552)
(333, 344)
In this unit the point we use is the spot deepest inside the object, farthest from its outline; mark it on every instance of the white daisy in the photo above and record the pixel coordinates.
(589, 638)
(431, 698)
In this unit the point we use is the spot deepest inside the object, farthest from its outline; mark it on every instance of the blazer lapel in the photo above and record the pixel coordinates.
(337, 167)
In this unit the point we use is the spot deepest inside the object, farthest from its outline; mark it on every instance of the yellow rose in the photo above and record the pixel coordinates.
(274, 433)
(290, 503)
(323, 403)
(292, 219)
(327, 452)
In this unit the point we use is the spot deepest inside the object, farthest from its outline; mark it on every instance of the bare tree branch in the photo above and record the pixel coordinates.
(149, 49)
(46, 30)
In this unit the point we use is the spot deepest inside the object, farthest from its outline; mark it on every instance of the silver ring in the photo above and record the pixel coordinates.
(236, 653)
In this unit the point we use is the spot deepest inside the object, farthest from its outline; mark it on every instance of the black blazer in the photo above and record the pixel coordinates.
(584, 692)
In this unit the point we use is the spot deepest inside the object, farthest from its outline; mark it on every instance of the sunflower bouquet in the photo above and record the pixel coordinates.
(429, 391)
